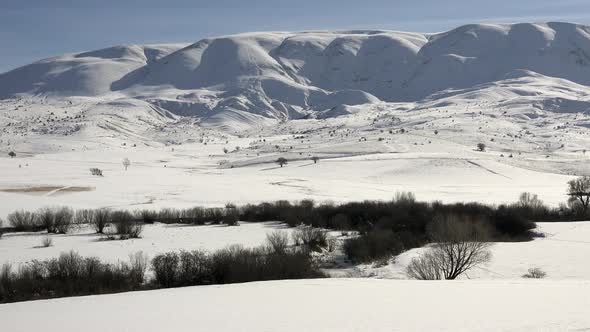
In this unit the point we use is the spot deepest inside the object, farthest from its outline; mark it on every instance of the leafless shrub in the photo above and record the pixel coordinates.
(125, 226)
(313, 238)
(96, 171)
(278, 242)
(47, 242)
(23, 220)
(459, 245)
(84, 217)
(63, 219)
(101, 218)
(138, 264)
(535, 273)
(46, 219)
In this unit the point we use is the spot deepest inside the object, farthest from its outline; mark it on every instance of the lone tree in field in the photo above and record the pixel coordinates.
(459, 245)
(315, 159)
(579, 189)
(12, 154)
(126, 163)
(281, 161)
(481, 147)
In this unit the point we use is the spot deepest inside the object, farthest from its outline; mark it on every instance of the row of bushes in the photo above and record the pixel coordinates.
(61, 220)
(69, 275)
(73, 275)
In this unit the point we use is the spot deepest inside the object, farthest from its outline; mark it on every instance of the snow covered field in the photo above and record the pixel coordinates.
(320, 305)
(17, 248)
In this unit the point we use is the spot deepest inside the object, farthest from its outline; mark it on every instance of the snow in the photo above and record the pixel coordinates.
(19, 248)
(561, 253)
(320, 305)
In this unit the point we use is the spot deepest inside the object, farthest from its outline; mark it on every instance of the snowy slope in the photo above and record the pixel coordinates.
(320, 305)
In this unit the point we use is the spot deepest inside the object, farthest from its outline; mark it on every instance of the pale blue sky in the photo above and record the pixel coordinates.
(35, 29)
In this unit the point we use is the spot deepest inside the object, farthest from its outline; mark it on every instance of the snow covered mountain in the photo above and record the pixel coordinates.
(285, 75)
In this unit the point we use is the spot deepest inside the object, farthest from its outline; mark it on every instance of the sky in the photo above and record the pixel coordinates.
(31, 30)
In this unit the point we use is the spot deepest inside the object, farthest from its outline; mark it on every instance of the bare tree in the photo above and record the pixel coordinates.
(281, 161)
(579, 189)
(126, 163)
(315, 159)
(459, 245)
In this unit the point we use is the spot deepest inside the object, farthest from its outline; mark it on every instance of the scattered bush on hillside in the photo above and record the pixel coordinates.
(96, 171)
(535, 273)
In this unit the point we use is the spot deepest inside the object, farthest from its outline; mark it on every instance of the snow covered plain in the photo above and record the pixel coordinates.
(320, 305)
(385, 112)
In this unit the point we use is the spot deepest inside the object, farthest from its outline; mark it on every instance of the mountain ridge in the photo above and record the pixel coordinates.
(291, 75)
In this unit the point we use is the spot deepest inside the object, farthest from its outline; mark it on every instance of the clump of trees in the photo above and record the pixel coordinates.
(272, 261)
(458, 246)
(70, 275)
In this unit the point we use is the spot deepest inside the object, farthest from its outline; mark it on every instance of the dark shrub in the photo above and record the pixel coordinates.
(96, 171)
(101, 218)
(278, 242)
(193, 268)
(46, 219)
(169, 216)
(63, 218)
(125, 226)
(23, 221)
(231, 216)
(165, 268)
(312, 238)
(374, 245)
(84, 216)
(68, 275)
(146, 216)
